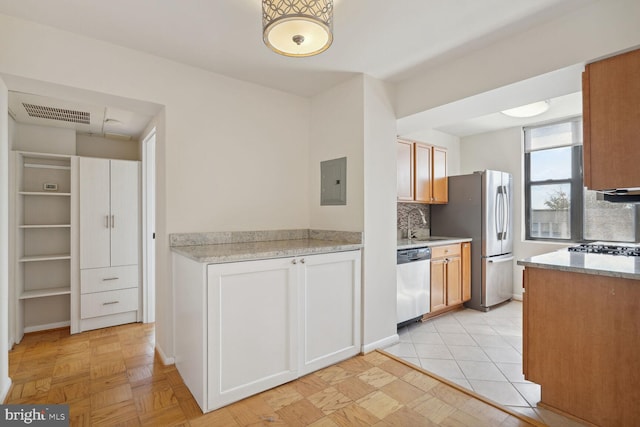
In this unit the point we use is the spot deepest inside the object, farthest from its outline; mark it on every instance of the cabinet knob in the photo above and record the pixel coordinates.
(302, 260)
(294, 261)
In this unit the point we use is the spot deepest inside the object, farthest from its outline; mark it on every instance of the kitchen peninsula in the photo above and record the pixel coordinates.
(254, 310)
(581, 334)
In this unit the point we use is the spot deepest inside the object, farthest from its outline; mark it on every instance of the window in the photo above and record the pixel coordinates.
(557, 206)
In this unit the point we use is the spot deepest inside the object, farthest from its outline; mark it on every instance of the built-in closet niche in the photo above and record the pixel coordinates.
(45, 240)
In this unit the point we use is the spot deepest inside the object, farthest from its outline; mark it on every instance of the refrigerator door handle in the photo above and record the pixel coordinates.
(507, 215)
(499, 214)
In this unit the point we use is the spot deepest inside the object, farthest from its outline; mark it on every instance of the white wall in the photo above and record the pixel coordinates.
(231, 155)
(503, 150)
(380, 192)
(590, 32)
(356, 119)
(5, 382)
(97, 146)
(450, 142)
(337, 118)
(44, 139)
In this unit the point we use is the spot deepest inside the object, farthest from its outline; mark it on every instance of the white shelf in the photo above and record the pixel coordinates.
(44, 166)
(45, 258)
(42, 193)
(36, 226)
(41, 293)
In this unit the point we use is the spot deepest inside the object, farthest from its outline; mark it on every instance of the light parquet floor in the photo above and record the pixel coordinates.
(110, 377)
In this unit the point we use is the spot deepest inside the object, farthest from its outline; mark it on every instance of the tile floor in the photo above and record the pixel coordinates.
(479, 351)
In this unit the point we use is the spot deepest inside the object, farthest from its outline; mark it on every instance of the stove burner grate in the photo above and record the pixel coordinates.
(606, 249)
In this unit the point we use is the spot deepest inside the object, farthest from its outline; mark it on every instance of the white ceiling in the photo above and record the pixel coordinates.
(389, 40)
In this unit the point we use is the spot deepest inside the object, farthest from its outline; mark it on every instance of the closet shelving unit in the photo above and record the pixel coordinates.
(45, 220)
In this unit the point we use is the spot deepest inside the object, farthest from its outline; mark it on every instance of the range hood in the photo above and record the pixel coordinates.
(620, 195)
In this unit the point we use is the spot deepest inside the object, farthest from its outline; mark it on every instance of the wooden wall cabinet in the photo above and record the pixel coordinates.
(405, 171)
(611, 114)
(422, 173)
(439, 181)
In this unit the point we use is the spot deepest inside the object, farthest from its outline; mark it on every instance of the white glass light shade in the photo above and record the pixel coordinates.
(529, 110)
(297, 27)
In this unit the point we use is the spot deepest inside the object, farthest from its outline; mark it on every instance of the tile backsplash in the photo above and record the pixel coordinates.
(416, 219)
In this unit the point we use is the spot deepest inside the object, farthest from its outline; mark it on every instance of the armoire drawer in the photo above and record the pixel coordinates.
(110, 302)
(108, 279)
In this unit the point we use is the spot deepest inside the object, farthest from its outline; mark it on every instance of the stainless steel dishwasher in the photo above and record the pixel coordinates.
(413, 281)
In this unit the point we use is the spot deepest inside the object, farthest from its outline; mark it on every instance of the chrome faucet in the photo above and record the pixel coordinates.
(424, 221)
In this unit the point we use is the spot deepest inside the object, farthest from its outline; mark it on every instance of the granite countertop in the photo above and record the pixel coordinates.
(430, 242)
(245, 251)
(626, 267)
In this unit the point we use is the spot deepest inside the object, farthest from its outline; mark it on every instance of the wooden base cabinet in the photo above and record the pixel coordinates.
(245, 327)
(580, 343)
(450, 276)
(466, 271)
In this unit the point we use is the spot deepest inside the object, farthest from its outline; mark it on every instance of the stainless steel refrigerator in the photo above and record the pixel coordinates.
(481, 207)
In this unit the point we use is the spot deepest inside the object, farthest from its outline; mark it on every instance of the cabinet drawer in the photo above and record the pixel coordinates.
(110, 302)
(108, 279)
(445, 251)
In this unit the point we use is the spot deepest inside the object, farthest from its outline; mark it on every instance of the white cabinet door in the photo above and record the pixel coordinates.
(329, 309)
(94, 213)
(252, 326)
(125, 184)
(109, 212)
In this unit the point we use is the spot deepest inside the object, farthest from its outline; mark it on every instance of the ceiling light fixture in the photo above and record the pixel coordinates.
(297, 27)
(529, 110)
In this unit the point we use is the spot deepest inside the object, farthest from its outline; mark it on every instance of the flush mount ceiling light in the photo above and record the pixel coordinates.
(529, 110)
(297, 27)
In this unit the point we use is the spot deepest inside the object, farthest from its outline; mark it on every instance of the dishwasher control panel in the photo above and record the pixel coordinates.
(410, 255)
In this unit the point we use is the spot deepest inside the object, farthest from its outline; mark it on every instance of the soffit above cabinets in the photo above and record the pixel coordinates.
(98, 120)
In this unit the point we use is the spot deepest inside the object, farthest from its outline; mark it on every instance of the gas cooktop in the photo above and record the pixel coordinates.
(607, 248)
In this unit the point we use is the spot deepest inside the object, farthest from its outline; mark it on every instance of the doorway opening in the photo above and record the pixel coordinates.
(149, 226)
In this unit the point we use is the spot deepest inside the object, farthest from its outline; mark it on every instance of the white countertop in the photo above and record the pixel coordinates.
(600, 264)
(430, 242)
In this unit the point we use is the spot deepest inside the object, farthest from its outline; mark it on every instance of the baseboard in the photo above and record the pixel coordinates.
(4, 391)
(517, 297)
(108, 321)
(385, 342)
(48, 326)
(163, 357)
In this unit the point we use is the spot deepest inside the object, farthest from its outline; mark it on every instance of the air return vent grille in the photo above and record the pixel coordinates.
(61, 114)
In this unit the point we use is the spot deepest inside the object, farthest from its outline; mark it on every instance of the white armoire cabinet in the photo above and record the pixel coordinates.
(109, 242)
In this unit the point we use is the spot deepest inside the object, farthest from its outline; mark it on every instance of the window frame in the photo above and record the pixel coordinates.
(576, 217)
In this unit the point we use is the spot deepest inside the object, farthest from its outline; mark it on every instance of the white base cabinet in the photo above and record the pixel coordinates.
(245, 327)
